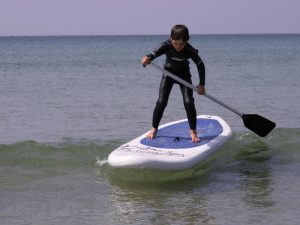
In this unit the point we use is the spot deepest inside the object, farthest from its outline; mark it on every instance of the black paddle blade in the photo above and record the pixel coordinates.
(258, 124)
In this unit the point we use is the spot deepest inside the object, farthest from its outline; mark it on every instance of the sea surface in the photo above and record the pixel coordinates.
(66, 102)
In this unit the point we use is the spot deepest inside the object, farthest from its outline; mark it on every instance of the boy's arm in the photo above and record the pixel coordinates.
(200, 66)
(201, 72)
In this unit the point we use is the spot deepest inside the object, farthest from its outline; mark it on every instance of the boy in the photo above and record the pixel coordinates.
(177, 51)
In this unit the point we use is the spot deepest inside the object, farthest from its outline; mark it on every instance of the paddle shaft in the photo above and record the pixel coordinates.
(195, 89)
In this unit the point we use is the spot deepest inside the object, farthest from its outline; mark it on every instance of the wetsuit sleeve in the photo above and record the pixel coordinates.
(161, 49)
(200, 66)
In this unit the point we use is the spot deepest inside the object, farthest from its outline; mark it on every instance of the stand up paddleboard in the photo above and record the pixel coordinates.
(173, 149)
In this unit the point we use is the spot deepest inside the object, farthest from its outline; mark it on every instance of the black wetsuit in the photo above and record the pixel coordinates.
(178, 64)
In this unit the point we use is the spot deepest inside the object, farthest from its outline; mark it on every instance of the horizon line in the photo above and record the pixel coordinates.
(98, 35)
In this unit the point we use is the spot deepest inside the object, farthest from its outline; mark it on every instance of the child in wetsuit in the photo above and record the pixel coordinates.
(178, 51)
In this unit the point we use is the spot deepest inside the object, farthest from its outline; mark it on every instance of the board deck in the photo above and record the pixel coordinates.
(172, 149)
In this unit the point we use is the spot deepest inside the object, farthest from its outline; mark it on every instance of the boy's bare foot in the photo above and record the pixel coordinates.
(194, 136)
(152, 133)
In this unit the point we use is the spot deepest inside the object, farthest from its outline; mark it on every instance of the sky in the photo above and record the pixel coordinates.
(129, 17)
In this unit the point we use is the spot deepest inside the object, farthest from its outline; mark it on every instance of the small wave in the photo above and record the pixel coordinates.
(282, 146)
(66, 156)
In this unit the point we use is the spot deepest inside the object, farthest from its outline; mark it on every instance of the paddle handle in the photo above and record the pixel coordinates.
(195, 89)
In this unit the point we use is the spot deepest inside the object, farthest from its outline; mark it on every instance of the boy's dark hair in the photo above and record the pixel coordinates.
(180, 31)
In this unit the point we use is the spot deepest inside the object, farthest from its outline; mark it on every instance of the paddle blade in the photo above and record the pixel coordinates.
(258, 124)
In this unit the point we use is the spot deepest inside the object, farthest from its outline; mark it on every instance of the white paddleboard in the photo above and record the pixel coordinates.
(172, 149)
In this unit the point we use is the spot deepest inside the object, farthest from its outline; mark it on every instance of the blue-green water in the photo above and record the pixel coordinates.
(67, 102)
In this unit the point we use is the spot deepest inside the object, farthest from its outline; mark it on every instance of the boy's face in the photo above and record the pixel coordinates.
(178, 44)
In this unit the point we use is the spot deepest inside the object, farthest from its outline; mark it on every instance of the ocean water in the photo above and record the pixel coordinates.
(67, 102)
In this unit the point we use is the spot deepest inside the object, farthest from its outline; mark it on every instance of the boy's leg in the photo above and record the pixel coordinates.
(190, 109)
(165, 88)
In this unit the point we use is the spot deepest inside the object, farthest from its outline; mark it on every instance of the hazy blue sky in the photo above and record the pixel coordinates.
(102, 17)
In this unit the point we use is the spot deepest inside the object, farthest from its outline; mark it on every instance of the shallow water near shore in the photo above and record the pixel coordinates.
(248, 181)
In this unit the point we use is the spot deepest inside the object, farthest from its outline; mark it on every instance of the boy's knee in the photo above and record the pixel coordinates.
(189, 102)
(161, 103)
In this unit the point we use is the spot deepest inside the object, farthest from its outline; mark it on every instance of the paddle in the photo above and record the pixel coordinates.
(256, 123)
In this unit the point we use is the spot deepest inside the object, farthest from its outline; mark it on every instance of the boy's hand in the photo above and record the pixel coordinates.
(145, 61)
(201, 90)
